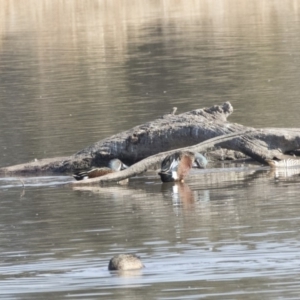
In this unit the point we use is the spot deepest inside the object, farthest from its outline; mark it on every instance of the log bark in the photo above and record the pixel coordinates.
(171, 132)
(250, 141)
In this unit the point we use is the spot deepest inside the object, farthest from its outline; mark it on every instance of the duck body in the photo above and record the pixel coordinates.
(96, 172)
(114, 165)
(176, 167)
(125, 262)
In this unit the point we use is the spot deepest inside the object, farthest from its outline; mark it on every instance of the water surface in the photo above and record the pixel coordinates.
(75, 72)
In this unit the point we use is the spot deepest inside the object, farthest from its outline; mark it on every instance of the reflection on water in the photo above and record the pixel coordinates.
(220, 232)
(282, 173)
(74, 72)
(68, 69)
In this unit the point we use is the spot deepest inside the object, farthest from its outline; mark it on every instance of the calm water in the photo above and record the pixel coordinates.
(74, 72)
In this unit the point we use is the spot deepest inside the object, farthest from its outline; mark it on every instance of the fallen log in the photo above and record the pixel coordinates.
(146, 163)
(245, 141)
(169, 132)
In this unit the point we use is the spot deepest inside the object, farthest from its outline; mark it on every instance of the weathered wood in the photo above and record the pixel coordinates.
(168, 133)
(144, 164)
(249, 141)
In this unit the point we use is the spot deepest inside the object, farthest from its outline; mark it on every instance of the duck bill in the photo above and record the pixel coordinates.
(197, 164)
(123, 167)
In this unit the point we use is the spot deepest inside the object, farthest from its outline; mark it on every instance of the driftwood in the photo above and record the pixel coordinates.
(148, 143)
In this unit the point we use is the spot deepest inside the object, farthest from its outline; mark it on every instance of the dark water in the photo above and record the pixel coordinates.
(74, 72)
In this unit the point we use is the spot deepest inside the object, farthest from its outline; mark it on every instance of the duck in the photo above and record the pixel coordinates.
(125, 262)
(114, 165)
(176, 167)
